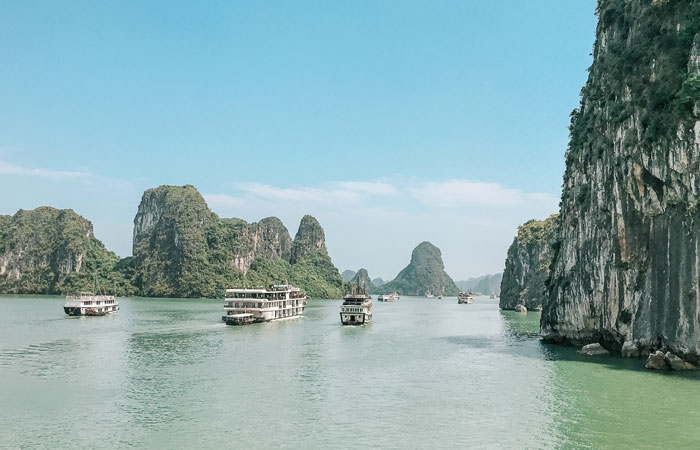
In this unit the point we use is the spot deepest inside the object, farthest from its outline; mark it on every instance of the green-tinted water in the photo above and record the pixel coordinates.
(425, 374)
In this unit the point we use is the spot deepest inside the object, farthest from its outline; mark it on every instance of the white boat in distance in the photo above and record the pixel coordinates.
(465, 297)
(88, 304)
(388, 297)
(279, 301)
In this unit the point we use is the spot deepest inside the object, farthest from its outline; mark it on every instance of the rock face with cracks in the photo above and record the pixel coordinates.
(528, 264)
(628, 266)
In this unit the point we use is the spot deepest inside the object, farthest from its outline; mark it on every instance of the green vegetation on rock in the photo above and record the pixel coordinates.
(528, 264)
(180, 249)
(52, 251)
(626, 270)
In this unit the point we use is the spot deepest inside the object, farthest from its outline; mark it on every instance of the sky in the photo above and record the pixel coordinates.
(392, 122)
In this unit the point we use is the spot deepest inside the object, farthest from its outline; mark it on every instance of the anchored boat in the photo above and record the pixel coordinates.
(88, 304)
(280, 301)
(356, 309)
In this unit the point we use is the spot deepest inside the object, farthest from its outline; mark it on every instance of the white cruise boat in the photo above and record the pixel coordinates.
(280, 301)
(388, 297)
(89, 304)
(356, 309)
(465, 297)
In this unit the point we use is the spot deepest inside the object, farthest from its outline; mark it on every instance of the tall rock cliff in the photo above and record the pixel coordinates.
(628, 268)
(312, 268)
(425, 273)
(52, 251)
(183, 249)
(528, 264)
(362, 281)
(170, 243)
(310, 238)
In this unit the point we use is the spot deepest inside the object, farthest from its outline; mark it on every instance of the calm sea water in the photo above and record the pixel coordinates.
(427, 373)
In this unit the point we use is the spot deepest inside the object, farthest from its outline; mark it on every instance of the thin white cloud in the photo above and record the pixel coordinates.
(456, 193)
(368, 187)
(340, 193)
(223, 201)
(12, 169)
(78, 176)
(366, 194)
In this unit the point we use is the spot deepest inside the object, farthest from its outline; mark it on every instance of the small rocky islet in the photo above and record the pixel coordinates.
(424, 273)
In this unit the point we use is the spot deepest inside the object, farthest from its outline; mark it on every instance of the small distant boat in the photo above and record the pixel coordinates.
(356, 309)
(388, 297)
(280, 301)
(429, 294)
(88, 304)
(465, 297)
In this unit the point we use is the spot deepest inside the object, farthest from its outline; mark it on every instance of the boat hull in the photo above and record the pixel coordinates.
(355, 318)
(229, 321)
(78, 311)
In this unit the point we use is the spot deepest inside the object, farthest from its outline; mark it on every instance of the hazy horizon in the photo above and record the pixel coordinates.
(392, 125)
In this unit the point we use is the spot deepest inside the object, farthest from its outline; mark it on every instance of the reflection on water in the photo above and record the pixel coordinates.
(519, 326)
(425, 374)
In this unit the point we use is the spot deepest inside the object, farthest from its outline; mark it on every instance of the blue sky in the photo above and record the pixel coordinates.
(393, 122)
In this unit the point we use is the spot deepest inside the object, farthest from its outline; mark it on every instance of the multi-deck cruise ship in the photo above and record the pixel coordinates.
(356, 309)
(280, 301)
(465, 297)
(89, 304)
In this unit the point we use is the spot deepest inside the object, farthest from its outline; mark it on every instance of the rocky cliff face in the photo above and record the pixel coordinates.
(362, 281)
(309, 239)
(425, 273)
(267, 239)
(170, 243)
(628, 266)
(183, 249)
(528, 264)
(47, 250)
